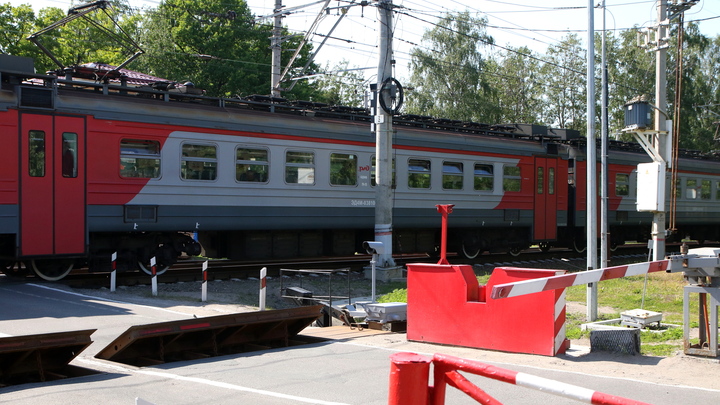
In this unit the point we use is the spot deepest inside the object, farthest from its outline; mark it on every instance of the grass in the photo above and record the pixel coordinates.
(664, 293)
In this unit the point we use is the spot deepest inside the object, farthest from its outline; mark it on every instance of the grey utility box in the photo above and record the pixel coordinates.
(638, 115)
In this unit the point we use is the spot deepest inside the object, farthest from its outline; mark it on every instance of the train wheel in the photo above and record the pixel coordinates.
(470, 251)
(579, 248)
(159, 268)
(52, 269)
(14, 269)
(515, 251)
(545, 246)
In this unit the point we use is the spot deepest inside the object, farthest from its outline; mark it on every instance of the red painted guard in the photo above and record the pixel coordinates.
(447, 305)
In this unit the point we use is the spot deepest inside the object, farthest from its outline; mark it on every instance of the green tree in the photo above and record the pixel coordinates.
(341, 85)
(699, 87)
(565, 92)
(448, 79)
(16, 23)
(517, 87)
(75, 42)
(216, 45)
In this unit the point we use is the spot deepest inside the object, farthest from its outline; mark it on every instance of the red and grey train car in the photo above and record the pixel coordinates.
(92, 168)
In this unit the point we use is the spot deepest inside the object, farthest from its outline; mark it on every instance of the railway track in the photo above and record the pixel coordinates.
(190, 269)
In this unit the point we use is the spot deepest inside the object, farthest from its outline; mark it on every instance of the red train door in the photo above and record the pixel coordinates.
(545, 207)
(52, 184)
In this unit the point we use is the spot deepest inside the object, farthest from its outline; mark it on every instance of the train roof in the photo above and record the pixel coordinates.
(92, 80)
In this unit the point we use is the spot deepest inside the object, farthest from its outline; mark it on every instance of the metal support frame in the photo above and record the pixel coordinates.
(708, 345)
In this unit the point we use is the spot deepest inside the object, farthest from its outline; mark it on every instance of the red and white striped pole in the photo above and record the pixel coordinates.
(567, 280)
(263, 287)
(113, 273)
(204, 282)
(153, 267)
(450, 364)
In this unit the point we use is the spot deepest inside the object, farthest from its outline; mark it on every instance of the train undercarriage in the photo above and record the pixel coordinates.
(134, 251)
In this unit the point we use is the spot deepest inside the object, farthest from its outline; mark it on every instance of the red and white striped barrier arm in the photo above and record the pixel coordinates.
(530, 381)
(583, 277)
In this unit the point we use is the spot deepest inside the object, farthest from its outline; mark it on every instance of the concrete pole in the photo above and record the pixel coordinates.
(591, 154)
(276, 46)
(604, 234)
(658, 225)
(383, 141)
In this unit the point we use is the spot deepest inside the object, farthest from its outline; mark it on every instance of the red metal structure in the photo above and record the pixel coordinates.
(447, 305)
(409, 382)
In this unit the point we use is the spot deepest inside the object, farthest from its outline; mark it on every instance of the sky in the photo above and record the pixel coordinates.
(511, 23)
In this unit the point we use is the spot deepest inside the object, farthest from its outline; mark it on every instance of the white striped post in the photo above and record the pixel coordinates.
(263, 287)
(113, 273)
(204, 282)
(154, 276)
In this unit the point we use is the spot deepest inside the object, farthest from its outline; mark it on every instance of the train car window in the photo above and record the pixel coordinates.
(678, 189)
(717, 190)
(705, 190)
(418, 173)
(372, 172)
(343, 169)
(484, 177)
(622, 184)
(251, 165)
(691, 189)
(299, 167)
(199, 162)
(36, 150)
(551, 180)
(452, 176)
(540, 180)
(139, 158)
(69, 154)
(511, 178)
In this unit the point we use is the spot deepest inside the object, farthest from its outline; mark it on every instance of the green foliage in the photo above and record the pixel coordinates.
(565, 91)
(216, 45)
(340, 85)
(396, 295)
(519, 87)
(449, 82)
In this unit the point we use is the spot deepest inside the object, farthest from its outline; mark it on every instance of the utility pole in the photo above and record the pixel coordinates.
(276, 46)
(383, 138)
(657, 141)
(604, 202)
(660, 141)
(591, 159)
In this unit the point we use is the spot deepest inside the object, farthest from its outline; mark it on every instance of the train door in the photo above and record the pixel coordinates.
(545, 207)
(52, 183)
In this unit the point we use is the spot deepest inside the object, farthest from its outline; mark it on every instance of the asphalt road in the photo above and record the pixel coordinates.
(335, 372)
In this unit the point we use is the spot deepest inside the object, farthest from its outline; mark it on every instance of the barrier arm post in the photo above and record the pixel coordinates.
(409, 373)
(444, 210)
(451, 363)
